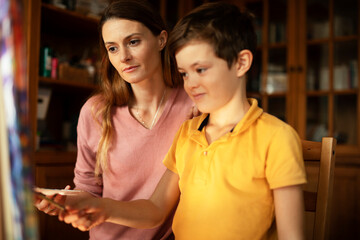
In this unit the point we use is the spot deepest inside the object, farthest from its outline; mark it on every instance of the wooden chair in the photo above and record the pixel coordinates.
(319, 160)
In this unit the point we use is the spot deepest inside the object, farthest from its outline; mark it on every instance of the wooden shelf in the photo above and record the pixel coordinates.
(317, 41)
(336, 39)
(346, 38)
(346, 92)
(67, 83)
(58, 21)
(327, 92)
(78, 16)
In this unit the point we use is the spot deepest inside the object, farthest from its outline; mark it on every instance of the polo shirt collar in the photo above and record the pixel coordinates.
(203, 123)
(250, 117)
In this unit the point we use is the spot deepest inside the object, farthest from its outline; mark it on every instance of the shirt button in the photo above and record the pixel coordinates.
(205, 153)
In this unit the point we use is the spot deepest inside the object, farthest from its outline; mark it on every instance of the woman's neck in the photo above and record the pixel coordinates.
(148, 103)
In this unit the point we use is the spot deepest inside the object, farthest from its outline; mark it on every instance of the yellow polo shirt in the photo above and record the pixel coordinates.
(226, 186)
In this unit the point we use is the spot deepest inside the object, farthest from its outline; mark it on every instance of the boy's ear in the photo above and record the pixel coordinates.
(162, 39)
(244, 62)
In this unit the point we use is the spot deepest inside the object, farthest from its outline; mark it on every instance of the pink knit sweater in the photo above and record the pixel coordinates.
(135, 160)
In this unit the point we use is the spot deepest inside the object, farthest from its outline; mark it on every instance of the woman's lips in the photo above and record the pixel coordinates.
(130, 69)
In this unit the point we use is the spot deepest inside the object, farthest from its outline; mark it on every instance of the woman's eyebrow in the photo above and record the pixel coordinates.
(126, 38)
(133, 34)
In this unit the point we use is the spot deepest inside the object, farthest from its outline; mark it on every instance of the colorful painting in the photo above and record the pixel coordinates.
(17, 212)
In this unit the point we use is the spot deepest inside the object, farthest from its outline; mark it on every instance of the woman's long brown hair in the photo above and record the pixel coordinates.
(115, 91)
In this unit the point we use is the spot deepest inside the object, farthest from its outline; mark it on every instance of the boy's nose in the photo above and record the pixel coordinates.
(191, 82)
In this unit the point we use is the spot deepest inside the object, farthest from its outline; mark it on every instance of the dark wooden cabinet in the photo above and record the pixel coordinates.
(306, 73)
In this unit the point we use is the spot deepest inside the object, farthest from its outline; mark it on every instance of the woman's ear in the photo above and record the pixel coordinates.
(243, 62)
(162, 39)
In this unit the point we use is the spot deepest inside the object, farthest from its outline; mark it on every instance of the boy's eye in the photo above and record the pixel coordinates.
(134, 42)
(201, 70)
(183, 74)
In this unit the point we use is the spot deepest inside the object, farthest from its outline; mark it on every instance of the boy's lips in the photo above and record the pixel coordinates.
(197, 96)
(129, 69)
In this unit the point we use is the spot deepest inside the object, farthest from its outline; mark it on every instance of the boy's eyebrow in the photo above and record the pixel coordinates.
(127, 37)
(192, 65)
(199, 63)
(195, 64)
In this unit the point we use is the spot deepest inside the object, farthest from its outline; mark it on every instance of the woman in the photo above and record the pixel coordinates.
(126, 129)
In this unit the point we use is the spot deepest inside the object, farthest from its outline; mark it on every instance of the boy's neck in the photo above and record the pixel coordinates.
(230, 115)
(224, 120)
(234, 110)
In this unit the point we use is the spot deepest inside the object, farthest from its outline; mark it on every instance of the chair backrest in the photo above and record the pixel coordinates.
(319, 160)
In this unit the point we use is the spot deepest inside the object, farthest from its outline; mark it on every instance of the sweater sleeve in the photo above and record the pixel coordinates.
(87, 138)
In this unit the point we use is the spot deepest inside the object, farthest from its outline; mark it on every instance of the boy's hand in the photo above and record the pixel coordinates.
(48, 208)
(85, 213)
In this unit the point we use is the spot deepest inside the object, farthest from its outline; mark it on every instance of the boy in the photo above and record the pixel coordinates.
(230, 170)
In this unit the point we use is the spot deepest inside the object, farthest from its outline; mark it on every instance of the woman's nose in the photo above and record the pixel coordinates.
(125, 54)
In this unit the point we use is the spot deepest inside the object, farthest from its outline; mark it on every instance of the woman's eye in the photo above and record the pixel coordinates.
(112, 49)
(133, 42)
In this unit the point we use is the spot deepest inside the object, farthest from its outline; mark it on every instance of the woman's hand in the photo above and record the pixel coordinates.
(48, 208)
(84, 212)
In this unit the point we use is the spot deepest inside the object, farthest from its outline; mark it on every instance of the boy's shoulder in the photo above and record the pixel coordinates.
(271, 125)
(271, 120)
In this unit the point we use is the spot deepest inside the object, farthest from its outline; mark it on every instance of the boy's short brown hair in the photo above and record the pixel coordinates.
(222, 25)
